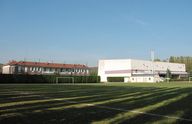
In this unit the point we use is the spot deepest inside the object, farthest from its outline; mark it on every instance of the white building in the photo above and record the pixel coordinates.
(24, 67)
(138, 70)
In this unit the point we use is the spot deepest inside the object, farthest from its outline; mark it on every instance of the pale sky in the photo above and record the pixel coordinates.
(84, 31)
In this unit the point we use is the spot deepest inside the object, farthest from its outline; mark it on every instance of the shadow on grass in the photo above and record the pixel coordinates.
(78, 112)
(181, 108)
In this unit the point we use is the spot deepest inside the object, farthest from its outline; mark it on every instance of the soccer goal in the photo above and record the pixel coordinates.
(190, 79)
(167, 80)
(65, 80)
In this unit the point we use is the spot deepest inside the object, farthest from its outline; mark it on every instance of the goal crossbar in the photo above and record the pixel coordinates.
(57, 79)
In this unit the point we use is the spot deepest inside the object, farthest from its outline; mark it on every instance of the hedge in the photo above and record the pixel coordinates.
(9, 78)
(115, 79)
(181, 79)
(80, 79)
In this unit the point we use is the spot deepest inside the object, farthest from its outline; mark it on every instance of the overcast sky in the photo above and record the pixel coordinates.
(83, 31)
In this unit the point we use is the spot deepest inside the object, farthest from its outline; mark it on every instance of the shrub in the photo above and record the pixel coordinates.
(115, 79)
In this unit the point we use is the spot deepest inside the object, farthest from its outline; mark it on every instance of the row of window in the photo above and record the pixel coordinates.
(39, 69)
(145, 78)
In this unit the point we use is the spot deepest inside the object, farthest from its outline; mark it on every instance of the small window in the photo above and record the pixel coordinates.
(149, 78)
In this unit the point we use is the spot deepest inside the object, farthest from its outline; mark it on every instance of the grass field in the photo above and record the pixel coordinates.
(96, 103)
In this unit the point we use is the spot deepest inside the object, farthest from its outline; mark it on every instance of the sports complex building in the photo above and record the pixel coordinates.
(139, 70)
(38, 68)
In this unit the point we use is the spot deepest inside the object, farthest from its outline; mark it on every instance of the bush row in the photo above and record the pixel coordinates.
(115, 79)
(181, 79)
(9, 78)
(79, 79)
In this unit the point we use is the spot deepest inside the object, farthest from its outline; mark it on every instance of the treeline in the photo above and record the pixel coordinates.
(1, 66)
(187, 60)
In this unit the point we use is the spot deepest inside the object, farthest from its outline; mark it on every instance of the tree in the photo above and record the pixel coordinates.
(93, 71)
(157, 60)
(1, 66)
(168, 74)
(171, 59)
(190, 74)
(187, 60)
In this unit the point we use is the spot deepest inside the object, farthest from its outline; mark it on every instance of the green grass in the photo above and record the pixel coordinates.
(133, 103)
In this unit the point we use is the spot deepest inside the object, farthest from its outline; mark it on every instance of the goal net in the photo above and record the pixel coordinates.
(64, 79)
(167, 79)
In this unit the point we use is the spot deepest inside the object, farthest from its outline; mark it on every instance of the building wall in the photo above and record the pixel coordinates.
(6, 69)
(138, 69)
(113, 68)
(149, 79)
(157, 66)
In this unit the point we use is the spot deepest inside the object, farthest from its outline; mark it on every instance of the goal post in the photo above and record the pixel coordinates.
(167, 80)
(65, 79)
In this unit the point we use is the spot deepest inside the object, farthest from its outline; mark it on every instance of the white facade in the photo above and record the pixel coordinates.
(137, 70)
(7, 69)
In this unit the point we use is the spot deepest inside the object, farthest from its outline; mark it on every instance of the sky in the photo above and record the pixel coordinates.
(84, 31)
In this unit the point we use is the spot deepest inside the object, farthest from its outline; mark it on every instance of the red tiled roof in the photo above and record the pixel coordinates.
(46, 64)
